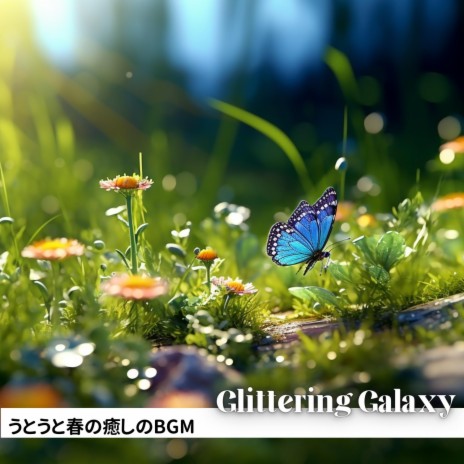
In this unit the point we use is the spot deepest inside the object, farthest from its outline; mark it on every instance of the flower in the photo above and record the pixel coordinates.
(449, 201)
(126, 184)
(180, 399)
(135, 287)
(37, 395)
(207, 255)
(456, 145)
(52, 249)
(345, 210)
(366, 220)
(234, 286)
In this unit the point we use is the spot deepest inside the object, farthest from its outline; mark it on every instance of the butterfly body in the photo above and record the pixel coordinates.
(303, 237)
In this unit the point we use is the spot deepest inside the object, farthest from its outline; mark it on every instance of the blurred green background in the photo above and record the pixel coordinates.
(85, 86)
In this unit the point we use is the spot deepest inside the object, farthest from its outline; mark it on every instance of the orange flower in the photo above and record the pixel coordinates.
(38, 395)
(456, 145)
(180, 399)
(52, 249)
(126, 184)
(135, 287)
(449, 201)
(344, 211)
(207, 254)
(234, 286)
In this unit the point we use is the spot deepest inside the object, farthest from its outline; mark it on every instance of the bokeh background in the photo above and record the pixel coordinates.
(86, 85)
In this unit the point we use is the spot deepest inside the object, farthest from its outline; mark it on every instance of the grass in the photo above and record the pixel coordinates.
(49, 187)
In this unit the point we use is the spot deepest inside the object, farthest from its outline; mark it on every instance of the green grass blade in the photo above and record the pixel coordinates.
(39, 229)
(341, 67)
(5, 193)
(273, 133)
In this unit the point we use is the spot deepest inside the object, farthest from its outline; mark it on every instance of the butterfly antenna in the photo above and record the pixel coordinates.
(300, 268)
(337, 243)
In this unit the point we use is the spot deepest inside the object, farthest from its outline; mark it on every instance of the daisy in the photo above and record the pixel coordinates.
(53, 249)
(126, 184)
(135, 287)
(207, 255)
(234, 286)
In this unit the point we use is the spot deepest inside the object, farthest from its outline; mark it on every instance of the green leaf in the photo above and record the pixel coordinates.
(177, 302)
(378, 273)
(390, 249)
(123, 257)
(340, 272)
(74, 291)
(176, 250)
(120, 218)
(140, 230)
(115, 211)
(198, 339)
(43, 290)
(367, 246)
(316, 294)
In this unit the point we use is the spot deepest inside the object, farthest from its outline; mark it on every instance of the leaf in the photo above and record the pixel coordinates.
(120, 218)
(390, 249)
(116, 210)
(340, 271)
(177, 302)
(123, 257)
(43, 290)
(367, 246)
(317, 294)
(140, 230)
(74, 291)
(176, 250)
(378, 273)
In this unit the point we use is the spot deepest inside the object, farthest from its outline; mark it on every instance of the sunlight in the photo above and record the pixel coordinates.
(56, 29)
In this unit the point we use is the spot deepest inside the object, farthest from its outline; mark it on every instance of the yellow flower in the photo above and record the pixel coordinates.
(234, 286)
(126, 183)
(135, 287)
(345, 210)
(207, 254)
(449, 201)
(366, 220)
(52, 249)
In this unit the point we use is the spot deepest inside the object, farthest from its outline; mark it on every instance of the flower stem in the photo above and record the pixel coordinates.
(208, 276)
(54, 311)
(133, 244)
(183, 276)
(226, 303)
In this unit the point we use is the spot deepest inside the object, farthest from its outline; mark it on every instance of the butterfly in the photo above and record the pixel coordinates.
(303, 237)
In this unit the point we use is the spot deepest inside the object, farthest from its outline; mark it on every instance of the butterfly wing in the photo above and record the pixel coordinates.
(326, 209)
(286, 246)
(306, 232)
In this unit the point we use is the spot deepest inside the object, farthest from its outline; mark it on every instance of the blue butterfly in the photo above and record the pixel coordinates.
(303, 237)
